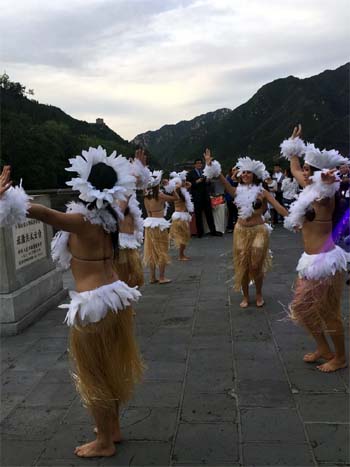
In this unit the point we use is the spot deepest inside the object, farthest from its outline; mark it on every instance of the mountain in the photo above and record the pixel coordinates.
(37, 139)
(256, 128)
(166, 142)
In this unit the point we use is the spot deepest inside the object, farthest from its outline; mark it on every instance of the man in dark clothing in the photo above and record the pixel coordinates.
(201, 199)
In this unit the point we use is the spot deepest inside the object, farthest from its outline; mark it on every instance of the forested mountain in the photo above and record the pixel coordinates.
(256, 128)
(37, 139)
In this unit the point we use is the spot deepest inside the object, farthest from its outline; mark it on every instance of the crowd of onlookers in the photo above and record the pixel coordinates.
(280, 182)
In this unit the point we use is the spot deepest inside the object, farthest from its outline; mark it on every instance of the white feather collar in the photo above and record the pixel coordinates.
(188, 200)
(315, 192)
(246, 196)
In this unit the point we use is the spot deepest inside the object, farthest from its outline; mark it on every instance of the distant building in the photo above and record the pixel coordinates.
(99, 121)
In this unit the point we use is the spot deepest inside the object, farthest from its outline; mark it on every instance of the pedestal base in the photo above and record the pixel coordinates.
(20, 308)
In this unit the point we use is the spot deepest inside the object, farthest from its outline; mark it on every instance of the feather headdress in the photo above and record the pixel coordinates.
(83, 164)
(251, 165)
(155, 178)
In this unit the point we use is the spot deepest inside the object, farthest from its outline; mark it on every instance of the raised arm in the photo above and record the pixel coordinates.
(295, 166)
(229, 188)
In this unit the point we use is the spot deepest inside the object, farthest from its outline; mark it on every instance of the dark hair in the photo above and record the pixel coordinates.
(103, 176)
(288, 173)
(153, 193)
(198, 160)
(277, 164)
(181, 196)
(312, 169)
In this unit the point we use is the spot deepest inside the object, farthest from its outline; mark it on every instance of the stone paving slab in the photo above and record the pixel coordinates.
(224, 386)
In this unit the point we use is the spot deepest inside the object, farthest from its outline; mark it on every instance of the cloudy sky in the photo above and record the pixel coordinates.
(140, 64)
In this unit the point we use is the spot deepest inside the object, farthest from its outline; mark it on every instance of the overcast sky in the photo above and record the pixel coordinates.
(140, 64)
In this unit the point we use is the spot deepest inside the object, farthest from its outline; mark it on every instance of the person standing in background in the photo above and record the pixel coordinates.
(279, 177)
(231, 207)
(201, 199)
(289, 188)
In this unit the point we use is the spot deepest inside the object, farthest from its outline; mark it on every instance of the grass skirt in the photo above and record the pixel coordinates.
(180, 232)
(128, 266)
(251, 255)
(106, 360)
(156, 246)
(317, 304)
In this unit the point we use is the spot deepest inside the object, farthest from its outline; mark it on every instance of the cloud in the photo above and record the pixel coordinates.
(144, 63)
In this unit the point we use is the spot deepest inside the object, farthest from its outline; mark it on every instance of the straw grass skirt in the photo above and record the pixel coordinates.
(128, 266)
(180, 232)
(156, 246)
(251, 255)
(317, 304)
(106, 360)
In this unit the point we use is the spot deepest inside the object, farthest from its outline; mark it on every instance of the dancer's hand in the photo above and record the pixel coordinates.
(188, 185)
(329, 177)
(296, 132)
(5, 181)
(141, 156)
(207, 156)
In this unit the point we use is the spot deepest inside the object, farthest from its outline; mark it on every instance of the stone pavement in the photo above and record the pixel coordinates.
(224, 386)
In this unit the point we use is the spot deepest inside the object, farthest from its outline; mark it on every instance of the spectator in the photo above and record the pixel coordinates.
(231, 207)
(289, 188)
(201, 199)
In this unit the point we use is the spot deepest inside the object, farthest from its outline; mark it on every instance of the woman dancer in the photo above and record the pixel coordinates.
(321, 269)
(102, 346)
(251, 255)
(127, 263)
(156, 229)
(180, 220)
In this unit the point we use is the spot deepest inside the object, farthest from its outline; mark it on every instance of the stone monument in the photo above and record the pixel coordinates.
(30, 285)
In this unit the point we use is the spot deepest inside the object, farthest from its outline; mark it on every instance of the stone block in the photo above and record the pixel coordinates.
(149, 424)
(155, 394)
(264, 393)
(271, 424)
(208, 408)
(31, 423)
(317, 407)
(204, 443)
(277, 454)
(330, 442)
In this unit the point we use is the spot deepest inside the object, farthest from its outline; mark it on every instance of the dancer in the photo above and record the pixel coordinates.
(102, 346)
(180, 220)
(321, 269)
(251, 254)
(127, 263)
(156, 229)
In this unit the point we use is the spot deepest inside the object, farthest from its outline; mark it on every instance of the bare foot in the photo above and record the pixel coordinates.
(116, 435)
(244, 303)
(184, 258)
(95, 449)
(313, 357)
(333, 365)
(153, 281)
(164, 281)
(260, 302)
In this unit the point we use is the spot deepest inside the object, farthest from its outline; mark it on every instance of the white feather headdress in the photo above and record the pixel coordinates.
(123, 187)
(323, 159)
(155, 178)
(182, 175)
(251, 165)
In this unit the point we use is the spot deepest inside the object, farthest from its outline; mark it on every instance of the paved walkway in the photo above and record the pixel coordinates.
(224, 386)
